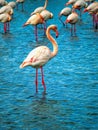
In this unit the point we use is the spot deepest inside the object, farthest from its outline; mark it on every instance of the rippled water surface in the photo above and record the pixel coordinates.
(71, 100)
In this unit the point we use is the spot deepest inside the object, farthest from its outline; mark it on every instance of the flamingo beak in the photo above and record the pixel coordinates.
(57, 34)
(85, 10)
(67, 21)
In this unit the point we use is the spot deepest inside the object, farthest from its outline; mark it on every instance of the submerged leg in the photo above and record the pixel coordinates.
(36, 36)
(22, 6)
(61, 21)
(71, 29)
(45, 27)
(5, 27)
(8, 26)
(43, 83)
(36, 80)
(74, 28)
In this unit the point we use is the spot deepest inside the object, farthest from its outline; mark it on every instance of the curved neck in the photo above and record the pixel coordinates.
(45, 4)
(54, 43)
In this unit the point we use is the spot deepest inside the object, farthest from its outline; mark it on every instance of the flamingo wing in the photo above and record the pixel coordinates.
(37, 57)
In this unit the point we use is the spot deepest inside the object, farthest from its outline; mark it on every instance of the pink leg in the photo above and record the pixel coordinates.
(74, 30)
(36, 80)
(43, 83)
(4, 27)
(45, 28)
(36, 33)
(8, 26)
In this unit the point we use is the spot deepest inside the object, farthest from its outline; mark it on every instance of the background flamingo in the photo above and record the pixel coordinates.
(35, 20)
(5, 18)
(40, 9)
(38, 57)
(73, 19)
(46, 15)
(64, 12)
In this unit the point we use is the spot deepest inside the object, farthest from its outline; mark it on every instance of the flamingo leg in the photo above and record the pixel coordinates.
(5, 25)
(43, 83)
(8, 26)
(45, 26)
(74, 29)
(22, 6)
(62, 21)
(71, 30)
(36, 35)
(36, 80)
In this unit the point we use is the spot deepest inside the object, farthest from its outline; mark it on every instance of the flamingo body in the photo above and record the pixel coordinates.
(34, 20)
(91, 6)
(3, 2)
(6, 9)
(72, 18)
(46, 14)
(79, 4)
(65, 11)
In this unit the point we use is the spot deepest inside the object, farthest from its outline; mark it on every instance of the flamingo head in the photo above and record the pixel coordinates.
(55, 30)
(25, 63)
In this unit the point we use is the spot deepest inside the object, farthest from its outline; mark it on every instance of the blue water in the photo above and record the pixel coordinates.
(71, 100)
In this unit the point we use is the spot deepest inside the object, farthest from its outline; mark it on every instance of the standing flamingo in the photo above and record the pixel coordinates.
(35, 20)
(80, 4)
(40, 9)
(38, 57)
(46, 15)
(3, 2)
(5, 18)
(72, 19)
(64, 12)
(93, 9)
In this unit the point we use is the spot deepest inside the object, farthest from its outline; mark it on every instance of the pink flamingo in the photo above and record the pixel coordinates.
(46, 15)
(3, 2)
(40, 9)
(64, 12)
(5, 18)
(35, 20)
(72, 19)
(93, 9)
(38, 57)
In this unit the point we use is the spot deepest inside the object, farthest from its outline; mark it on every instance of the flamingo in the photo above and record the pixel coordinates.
(40, 9)
(64, 12)
(39, 56)
(35, 20)
(20, 2)
(5, 18)
(70, 2)
(46, 15)
(92, 9)
(80, 4)
(72, 19)
(6, 9)
(12, 4)
(3, 2)
(91, 6)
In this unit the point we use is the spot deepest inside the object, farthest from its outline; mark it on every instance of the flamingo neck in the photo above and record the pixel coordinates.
(53, 41)
(45, 4)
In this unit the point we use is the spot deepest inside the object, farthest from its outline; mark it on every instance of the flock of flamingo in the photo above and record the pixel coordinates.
(39, 56)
